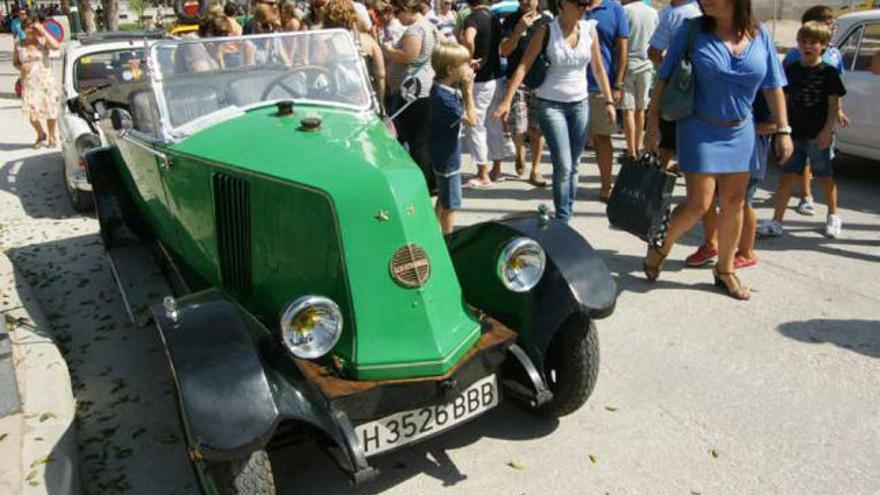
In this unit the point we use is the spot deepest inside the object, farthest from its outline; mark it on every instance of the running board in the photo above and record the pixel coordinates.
(139, 279)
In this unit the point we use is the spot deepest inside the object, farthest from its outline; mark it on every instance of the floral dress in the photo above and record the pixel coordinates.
(39, 100)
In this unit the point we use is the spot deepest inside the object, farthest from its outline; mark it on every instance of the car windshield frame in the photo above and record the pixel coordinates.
(162, 74)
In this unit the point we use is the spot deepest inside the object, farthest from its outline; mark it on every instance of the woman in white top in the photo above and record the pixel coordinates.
(562, 98)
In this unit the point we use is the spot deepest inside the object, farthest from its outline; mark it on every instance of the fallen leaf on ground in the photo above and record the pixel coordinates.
(610, 408)
(714, 453)
(593, 458)
(516, 465)
(46, 416)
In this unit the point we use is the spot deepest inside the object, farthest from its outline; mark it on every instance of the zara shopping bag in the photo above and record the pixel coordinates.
(641, 199)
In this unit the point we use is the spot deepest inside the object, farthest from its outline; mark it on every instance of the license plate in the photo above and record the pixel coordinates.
(408, 426)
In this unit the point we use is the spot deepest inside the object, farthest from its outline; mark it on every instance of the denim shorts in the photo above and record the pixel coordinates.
(449, 191)
(751, 190)
(820, 160)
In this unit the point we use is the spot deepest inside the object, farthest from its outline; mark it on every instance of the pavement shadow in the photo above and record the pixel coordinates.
(38, 183)
(861, 336)
(118, 370)
(301, 469)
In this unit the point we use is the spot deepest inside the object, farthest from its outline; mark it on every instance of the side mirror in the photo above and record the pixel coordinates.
(121, 121)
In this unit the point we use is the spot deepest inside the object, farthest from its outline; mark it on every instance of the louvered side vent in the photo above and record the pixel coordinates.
(232, 211)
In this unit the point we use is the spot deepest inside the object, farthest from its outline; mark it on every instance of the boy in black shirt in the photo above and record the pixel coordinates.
(813, 100)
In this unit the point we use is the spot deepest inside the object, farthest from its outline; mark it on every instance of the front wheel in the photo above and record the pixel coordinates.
(251, 475)
(571, 365)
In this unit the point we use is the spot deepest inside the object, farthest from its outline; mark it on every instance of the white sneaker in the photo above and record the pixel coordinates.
(806, 206)
(833, 226)
(769, 228)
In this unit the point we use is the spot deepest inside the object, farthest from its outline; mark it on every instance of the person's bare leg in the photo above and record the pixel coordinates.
(786, 184)
(829, 187)
(630, 132)
(807, 183)
(38, 127)
(519, 144)
(710, 228)
(666, 156)
(51, 125)
(640, 131)
(537, 141)
(495, 174)
(605, 158)
(747, 236)
(444, 218)
(483, 173)
(700, 195)
(732, 193)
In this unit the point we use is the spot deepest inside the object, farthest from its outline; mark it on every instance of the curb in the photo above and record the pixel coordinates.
(49, 457)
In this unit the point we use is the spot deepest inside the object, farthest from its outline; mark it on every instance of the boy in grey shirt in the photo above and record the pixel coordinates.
(639, 72)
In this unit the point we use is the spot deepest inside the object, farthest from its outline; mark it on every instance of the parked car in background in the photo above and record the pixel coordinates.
(91, 62)
(858, 38)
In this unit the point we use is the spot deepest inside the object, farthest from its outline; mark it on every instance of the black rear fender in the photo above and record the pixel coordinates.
(121, 222)
(576, 279)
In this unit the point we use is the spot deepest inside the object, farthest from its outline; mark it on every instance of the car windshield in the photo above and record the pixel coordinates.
(102, 68)
(202, 81)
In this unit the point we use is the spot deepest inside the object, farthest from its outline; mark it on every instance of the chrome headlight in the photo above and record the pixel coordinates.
(310, 326)
(521, 264)
(86, 142)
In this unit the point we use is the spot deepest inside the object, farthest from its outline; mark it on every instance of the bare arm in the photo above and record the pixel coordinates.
(467, 98)
(508, 44)
(467, 39)
(656, 56)
(52, 42)
(776, 101)
(535, 46)
(652, 126)
(621, 57)
(377, 69)
(601, 77)
(826, 134)
(408, 53)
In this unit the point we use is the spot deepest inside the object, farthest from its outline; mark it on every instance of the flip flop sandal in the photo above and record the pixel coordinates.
(537, 182)
(477, 184)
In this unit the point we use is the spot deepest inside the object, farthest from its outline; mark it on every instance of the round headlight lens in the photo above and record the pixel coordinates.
(310, 326)
(521, 264)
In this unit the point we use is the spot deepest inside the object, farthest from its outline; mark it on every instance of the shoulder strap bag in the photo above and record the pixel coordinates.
(677, 100)
(538, 71)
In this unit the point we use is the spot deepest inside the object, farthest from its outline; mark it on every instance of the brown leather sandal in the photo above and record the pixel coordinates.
(652, 271)
(732, 285)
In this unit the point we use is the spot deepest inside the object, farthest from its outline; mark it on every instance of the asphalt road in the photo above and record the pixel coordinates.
(697, 393)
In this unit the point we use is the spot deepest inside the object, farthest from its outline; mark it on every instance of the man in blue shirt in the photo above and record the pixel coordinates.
(613, 29)
(15, 26)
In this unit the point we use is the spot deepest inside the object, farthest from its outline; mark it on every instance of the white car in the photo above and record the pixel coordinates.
(89, 62)
(858, 38)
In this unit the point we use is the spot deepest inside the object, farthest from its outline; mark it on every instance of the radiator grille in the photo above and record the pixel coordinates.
(232, 211)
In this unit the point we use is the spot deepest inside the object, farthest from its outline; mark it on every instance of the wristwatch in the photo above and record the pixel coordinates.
(783, 130)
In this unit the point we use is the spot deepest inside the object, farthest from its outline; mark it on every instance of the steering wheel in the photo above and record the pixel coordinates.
(317, 70)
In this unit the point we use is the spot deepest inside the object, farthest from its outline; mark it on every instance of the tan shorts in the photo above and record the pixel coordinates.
(636, 90)
(599, 123)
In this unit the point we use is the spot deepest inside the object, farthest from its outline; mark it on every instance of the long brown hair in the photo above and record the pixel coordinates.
(743, 20)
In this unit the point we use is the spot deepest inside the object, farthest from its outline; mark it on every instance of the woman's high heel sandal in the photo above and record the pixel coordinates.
(732, 285)
(652, 271)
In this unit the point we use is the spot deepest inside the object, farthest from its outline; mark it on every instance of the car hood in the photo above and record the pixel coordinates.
(381, 205)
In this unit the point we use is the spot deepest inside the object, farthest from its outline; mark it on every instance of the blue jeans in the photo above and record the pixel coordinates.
(565, 127)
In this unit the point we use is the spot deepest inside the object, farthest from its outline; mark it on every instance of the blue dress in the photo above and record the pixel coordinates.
(726, 85)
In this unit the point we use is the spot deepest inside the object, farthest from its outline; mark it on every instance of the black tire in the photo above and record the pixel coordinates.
(81, 201)
(250, 475)
(571, 366)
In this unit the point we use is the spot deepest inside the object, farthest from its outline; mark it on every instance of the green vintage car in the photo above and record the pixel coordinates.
(259, 212)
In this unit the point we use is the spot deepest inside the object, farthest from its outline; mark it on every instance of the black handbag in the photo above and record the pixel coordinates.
(642, 198)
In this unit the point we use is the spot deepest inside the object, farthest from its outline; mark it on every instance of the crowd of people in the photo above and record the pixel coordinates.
(565, 74)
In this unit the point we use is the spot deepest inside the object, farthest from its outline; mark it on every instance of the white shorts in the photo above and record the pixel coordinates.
(636, 90)
(485, 141)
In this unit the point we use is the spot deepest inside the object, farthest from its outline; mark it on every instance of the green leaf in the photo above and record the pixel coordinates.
(593, 458)
(610, 408)
(516, 465)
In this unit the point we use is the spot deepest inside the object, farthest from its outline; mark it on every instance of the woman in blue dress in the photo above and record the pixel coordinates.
(733, 58)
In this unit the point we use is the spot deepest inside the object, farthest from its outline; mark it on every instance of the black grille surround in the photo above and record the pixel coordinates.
(232, 221)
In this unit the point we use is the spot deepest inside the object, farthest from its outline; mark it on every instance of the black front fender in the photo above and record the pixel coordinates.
(576, 279)
(226, 400)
